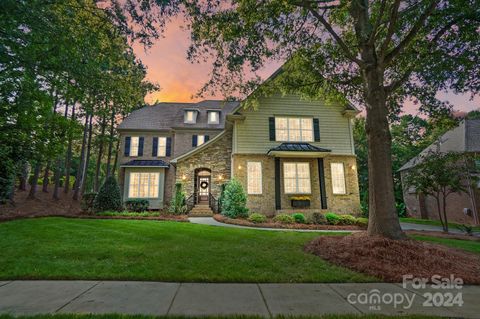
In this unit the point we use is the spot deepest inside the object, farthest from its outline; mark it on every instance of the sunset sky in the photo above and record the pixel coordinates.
(179, 79)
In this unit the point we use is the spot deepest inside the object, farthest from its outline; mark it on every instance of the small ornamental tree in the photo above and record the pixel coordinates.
(234, 200)
(108, 197)
(178, 204)
(439, 175)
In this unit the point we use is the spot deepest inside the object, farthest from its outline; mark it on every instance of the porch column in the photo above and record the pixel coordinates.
(278, 200)
(321, 177)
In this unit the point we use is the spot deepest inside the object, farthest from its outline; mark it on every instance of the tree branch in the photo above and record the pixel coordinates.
(391, 27)
(378, 22)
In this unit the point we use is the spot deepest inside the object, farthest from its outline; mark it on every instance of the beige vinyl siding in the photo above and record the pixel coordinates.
(252, 135)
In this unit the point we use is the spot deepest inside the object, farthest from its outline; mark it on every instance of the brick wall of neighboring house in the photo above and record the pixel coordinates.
(425, 207)
(216, 157)
(265, 203)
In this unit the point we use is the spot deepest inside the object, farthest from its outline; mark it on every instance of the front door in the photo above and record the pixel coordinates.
(203, 189)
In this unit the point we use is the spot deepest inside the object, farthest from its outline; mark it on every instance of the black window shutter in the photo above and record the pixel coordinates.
(194, 140)
(155, 146)
(207, 138)
(316, 130)
(127, 145)
(140, 146)
(271, 127)
(168, 151)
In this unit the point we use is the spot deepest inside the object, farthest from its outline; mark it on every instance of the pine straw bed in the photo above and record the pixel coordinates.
(389, 259)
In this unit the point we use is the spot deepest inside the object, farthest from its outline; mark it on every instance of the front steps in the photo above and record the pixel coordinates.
(201, 210)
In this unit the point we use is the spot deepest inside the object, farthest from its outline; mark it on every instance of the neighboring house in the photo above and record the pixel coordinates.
(462, 207)
(290, 152)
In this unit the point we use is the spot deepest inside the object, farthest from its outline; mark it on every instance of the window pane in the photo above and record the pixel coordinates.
(134, 146)
(133, 185)
(254, 177)
(281, 123)
(162, 146)
(213, 117)
(303, 170)
(290, 185)
(307, 130)
(281, 135)
(200, 140)
(304, 185)
(296, 177)
(289, 170)
(338, 178)
(189, 116)
(153, 192)
(143, 188)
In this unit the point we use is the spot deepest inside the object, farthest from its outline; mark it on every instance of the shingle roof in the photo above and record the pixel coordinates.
(463, 138)
(297, 147)
(164, 116)
(147, 163)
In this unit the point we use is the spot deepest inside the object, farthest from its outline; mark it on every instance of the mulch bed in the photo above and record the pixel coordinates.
(389, 259)
(272, 224)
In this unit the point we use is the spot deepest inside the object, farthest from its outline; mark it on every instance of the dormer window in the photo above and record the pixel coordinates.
(213, 117)
(190, 117)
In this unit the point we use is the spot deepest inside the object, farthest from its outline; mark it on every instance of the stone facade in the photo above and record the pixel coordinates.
(215, 157)
(265, 202)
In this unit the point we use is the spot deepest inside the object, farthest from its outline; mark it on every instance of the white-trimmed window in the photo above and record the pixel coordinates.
(134, 142)
(294, 129)
(190, 116)
(162, 147)
(338, 178)
(200, 139)
(213, 117)
(143, 185)
(296, 178)
(254, 178)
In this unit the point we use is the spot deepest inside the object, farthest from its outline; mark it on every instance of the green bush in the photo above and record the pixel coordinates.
(284, 219)
(299, 218)
(109, 197)
(257, 218)
(178, 203)
(234, 200)
(363, 222)
(86, 204)
(347, 220)
(332, 218)
(317, 219)
(137, 205)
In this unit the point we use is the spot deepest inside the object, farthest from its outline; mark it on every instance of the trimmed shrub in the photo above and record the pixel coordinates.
(299, 218)
(363, 222)
(317, 219)
(234, 200)
(137, 205)
(347, 220)
(257, 218)
(178, 203)
(332, 218)
(109, 197)
(284, 219)
(86, 204)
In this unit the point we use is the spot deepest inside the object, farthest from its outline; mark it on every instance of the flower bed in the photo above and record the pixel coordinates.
(269, 223)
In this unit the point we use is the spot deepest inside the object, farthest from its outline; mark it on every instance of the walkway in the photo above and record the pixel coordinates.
(200, 299)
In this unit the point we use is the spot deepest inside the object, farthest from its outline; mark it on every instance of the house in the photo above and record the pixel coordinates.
(461, 207)
(290, 154)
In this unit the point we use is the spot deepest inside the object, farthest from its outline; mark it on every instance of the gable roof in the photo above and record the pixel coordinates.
(463, 138)
(165, 116)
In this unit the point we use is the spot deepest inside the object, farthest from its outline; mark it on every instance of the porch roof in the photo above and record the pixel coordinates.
(298, 149)
(146, 163)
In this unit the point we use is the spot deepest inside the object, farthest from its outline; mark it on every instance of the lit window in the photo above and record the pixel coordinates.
(254, 177)
(162, 147)
(200, 139)
(143, 185)
(134, 146)
(213, 117)
(338, 178)
(291, 129)
(190, 116)
(296, 178)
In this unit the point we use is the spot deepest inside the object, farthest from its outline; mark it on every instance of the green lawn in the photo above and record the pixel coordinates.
(468, 245)
(65, 248)
(432, 222)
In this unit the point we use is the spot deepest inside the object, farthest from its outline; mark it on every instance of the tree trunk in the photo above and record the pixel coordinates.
(46, 175)
(116, 158)
(99, 155)
(68, 156)
(87, 160)
(383, 219)
(110, 142)
(440, 212)
(58, 163)
(34, 182)
(22, 186)
(79, 176)
(445, 212)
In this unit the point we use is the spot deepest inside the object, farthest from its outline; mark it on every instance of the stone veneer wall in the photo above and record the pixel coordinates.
(265, 203)
(216, 157)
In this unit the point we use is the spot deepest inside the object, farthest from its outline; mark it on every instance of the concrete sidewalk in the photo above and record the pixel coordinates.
(200, 299)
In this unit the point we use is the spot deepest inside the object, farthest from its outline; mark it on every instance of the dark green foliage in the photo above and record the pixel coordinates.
(234, 200)
(108, 197)
(347, 220)
(362, 222)
(257, 218)
(137, 205)
(299, 218)
(284, 219)
(178, 202)
(86, 204)
(467, 229)
(317, 218)
(332, 218)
